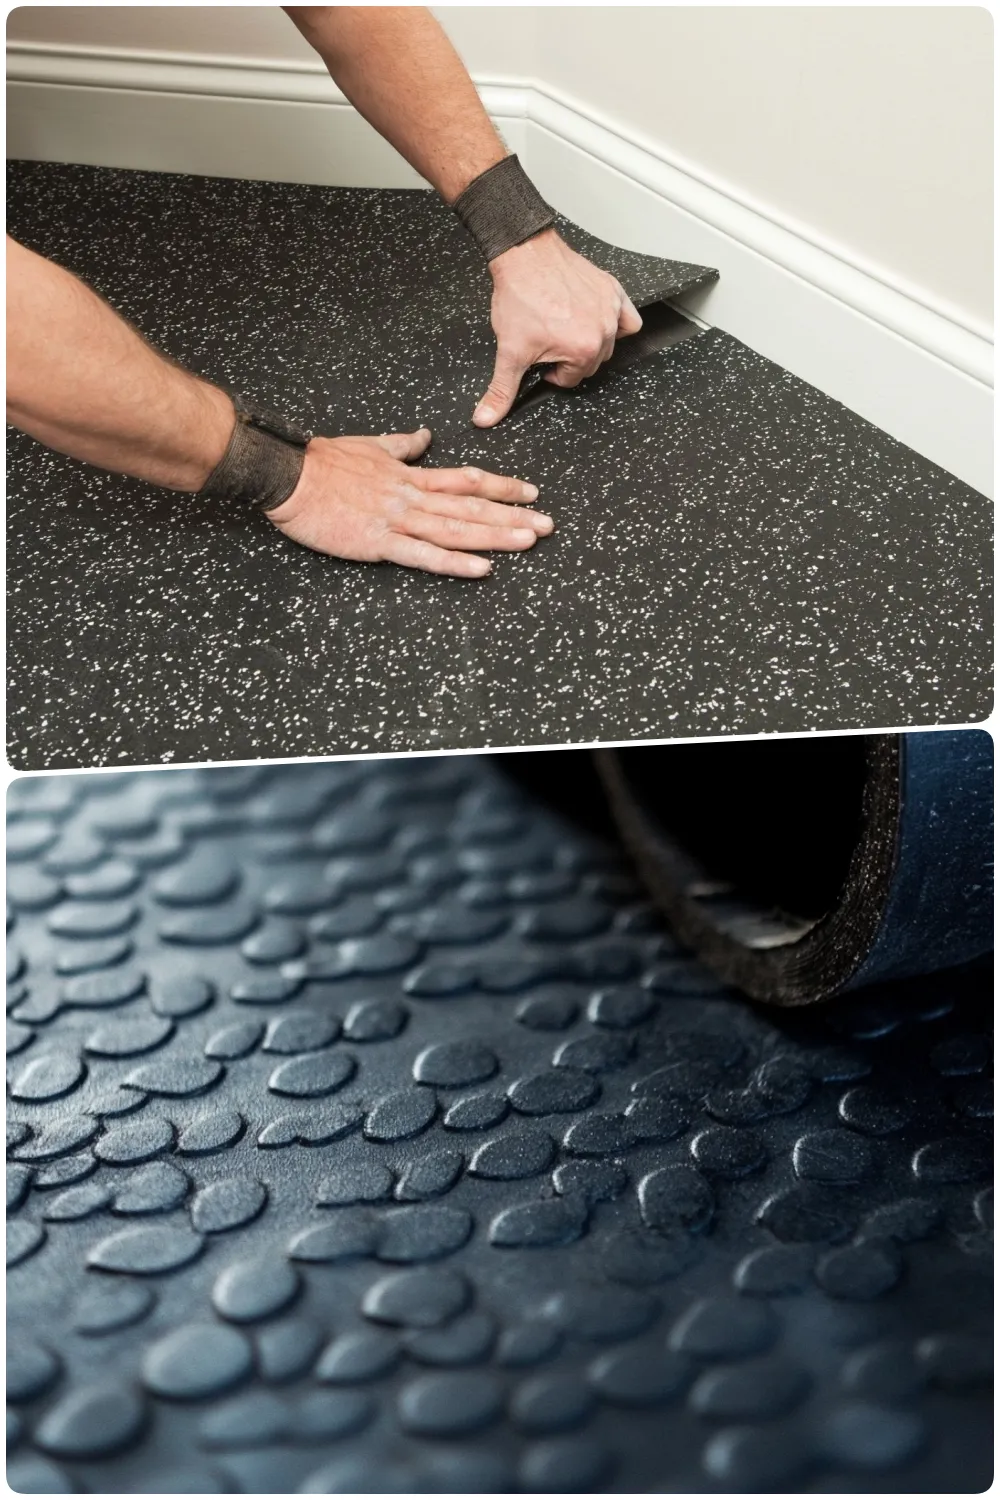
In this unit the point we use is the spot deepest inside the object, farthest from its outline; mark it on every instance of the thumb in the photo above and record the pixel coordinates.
(405, 446)
(502, 389)
(629, 320)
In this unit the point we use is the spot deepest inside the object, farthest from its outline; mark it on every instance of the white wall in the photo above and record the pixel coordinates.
(494, 39)
(237, 30)
(871, 126)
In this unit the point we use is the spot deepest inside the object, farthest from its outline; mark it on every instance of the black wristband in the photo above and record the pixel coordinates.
(263, 461)
(502, 207)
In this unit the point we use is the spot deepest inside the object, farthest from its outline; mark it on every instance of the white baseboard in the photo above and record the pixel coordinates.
(214, 116)
(914, 366)
(919, 376)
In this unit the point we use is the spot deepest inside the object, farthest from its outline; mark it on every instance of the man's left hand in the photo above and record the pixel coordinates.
(550, 305)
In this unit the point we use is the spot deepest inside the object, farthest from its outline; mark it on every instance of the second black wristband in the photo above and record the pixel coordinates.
(502, 207)
(262, 462)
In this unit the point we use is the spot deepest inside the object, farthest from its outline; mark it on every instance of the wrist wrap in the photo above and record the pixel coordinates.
(263, 461)
(502, 207)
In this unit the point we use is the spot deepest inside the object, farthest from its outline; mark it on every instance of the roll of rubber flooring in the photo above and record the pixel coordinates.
(800, 869)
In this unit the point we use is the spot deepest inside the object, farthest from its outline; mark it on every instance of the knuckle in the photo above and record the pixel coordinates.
(398, 501)
(472, 474)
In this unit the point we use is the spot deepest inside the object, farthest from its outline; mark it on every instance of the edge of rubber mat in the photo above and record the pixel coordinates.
(917, 896)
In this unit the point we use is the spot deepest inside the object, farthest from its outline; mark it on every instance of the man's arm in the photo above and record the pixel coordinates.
(400, 71)
(81, 380)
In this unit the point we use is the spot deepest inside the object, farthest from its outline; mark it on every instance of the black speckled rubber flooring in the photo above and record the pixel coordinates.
(368, 1133)
(734, 551)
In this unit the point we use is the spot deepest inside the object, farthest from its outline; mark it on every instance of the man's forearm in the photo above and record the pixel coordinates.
(400, 71)
(82, 380)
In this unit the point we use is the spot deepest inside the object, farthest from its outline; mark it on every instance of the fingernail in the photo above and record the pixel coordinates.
(544, 523)
(481, 566)
(531, 490)
(522, 534)
(482, 414)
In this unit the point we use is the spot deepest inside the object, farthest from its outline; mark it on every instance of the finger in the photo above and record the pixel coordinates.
(570, 372)
(629, 320)
(502, 389)
(405, 446)
(486, 512)
(608, 347)
(410, 552)
(468, 536)
(472, 481)
(567, 376)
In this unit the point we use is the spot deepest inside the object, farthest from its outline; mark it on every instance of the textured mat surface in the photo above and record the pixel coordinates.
(366, 1132)
(733, 552)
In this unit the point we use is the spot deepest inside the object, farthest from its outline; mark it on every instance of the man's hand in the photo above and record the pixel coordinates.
(550, 305)
(357, 499)
(400, 71)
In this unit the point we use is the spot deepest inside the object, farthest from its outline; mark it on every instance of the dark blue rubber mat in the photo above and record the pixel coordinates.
(734, 552)
(367, 1132)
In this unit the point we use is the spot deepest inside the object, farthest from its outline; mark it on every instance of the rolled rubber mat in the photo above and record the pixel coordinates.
(367, 1132)
(888, 839)
(734, 552)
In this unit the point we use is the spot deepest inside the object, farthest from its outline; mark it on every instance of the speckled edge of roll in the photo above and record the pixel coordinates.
(918, 892)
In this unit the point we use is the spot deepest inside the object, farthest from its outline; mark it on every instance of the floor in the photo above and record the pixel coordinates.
(367, 1132)
(734, 552)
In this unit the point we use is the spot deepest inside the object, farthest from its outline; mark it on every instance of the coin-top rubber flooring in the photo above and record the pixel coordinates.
(368, 1132)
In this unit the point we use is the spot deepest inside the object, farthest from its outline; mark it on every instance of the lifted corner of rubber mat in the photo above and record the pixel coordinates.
(662, 326)
(801, 869)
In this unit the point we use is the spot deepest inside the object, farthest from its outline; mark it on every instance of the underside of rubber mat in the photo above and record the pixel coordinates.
(733, 551)
(368, 1132)
(662, 327)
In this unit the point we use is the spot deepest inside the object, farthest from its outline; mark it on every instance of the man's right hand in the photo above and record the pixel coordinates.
(357, 499)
